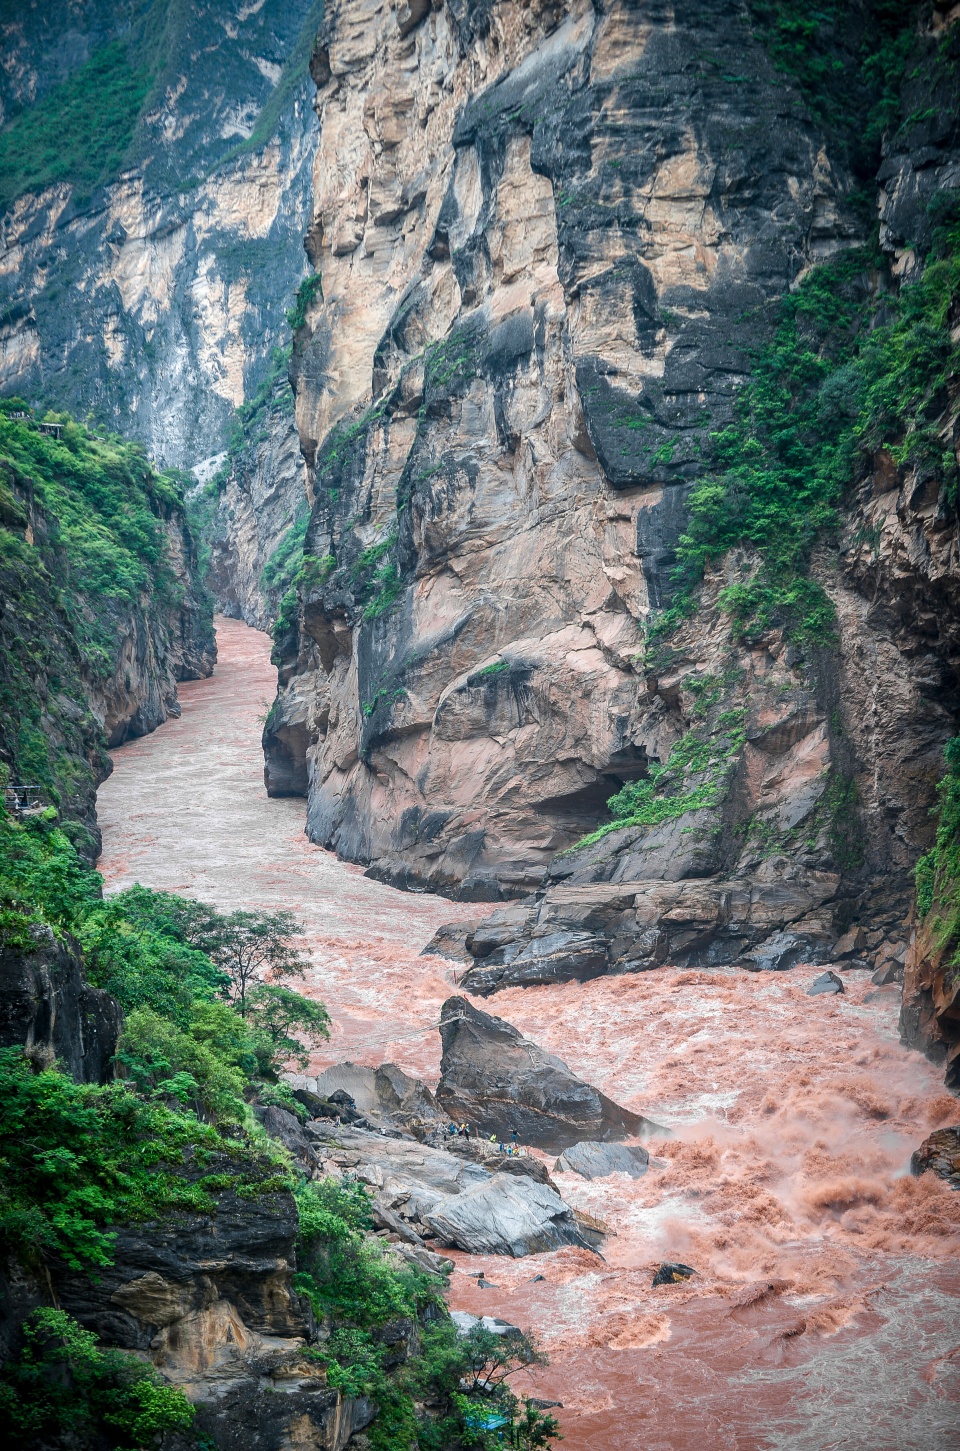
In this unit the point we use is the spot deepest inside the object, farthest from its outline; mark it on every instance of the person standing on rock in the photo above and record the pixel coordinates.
(516, 1140)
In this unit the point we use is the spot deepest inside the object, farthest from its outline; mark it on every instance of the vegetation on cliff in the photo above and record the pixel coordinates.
(856, 369)
(204, 1037)
(849, 60)
(938, 870)
(65, 1389)
(88, 534)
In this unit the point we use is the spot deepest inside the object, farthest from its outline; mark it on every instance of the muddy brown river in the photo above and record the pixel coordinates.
(825, 1312)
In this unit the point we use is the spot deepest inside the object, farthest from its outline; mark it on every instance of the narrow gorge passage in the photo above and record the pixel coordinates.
(822, 1264)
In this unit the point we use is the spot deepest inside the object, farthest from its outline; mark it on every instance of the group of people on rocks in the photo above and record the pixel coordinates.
(462, 1131)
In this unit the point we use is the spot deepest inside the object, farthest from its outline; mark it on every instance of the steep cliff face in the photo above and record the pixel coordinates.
(185, 244)
(552, 243)
(258, 511)
(548, 241)
(102, 610)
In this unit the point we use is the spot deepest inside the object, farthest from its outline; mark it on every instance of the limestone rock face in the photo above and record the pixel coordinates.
(551, 239)
(547, 242)
(501, 1083)
(188, 261)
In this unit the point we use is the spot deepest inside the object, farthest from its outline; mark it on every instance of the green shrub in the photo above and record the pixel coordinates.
(836, 385)
(938, 871)
(63, 1384)
(76, 1159)
(691, 779)
(309, 292)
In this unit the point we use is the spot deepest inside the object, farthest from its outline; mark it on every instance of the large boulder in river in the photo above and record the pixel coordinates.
(939, 1154)
(420, 1192)
(595, 1161)
(500, 1082)
(506, 1216)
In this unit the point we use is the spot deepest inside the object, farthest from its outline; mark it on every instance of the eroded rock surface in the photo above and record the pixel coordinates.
(188, 261)
(498, 1081)
(550, 244)
(422, 1192)
(48, 1008)
(261, 510)
(546, 248)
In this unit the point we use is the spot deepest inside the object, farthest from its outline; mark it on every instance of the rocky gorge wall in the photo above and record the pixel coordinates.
(102, 611)
(186, 249)
(551, 241)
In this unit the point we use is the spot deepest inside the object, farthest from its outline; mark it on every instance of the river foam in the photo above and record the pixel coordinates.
(825, 1308)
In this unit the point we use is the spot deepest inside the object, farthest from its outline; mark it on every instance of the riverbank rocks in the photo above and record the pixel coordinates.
(579, 928)
(383, 1097)
(827, 982)
(423, 1193)
(595, 1161)
(499, 1081)
(506, 1215)
(939, 1154)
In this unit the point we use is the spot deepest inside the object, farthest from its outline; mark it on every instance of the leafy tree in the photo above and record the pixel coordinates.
(246, 946)
(287, 1023)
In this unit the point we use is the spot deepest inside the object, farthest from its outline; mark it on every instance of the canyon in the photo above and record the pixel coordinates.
(571, 393)
(551, 243)
(820, 1260)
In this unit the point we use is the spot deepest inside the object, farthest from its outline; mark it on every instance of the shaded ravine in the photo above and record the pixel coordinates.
(825, 1310)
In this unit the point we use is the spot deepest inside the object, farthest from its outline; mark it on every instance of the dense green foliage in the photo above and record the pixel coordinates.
(63, 1384)
(849, 58)
(352, 1284)
(852, 371)
(83, 542)
(202, 1030)
(77, 1159)
(81, 131)
(938, 871)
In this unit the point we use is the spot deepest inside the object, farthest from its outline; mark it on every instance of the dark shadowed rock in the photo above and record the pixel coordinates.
(671, 1273)
(499, 1081)
(827, 982)
(595, 1161)
(285, 1126)
(939, 1154)
(48, 1008)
